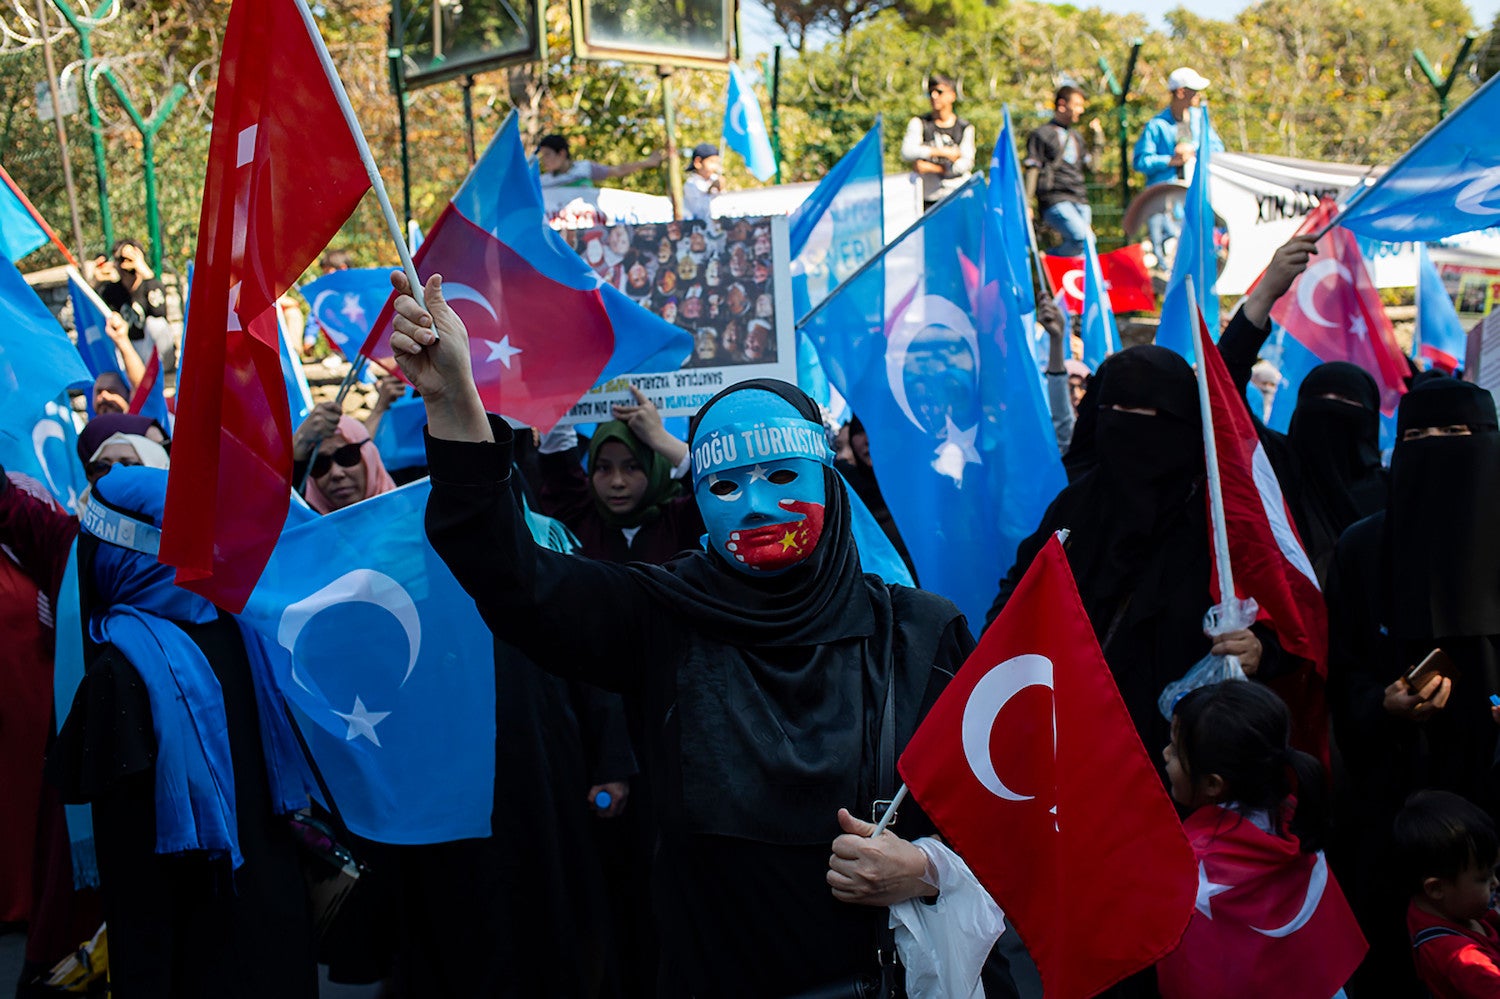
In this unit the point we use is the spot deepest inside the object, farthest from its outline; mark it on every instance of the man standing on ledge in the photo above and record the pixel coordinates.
(559, 169)
(702, 183)
(1168, 145)
(1056, 163)
(939, 145)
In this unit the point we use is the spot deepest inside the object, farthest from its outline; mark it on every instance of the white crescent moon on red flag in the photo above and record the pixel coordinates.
(1313, 277)
(455, 292)
(1072, 282)
(1317, 881)
(988, 698)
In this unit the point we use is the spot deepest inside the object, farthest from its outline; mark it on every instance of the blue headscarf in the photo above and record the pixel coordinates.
(138, 611)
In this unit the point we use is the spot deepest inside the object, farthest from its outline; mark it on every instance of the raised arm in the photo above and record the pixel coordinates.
(573, 616)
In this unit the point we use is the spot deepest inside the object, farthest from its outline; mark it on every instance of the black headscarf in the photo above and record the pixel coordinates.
(1338, 445)
(777, 717)
(1443, 523)
(1145, 469)
(102, 427)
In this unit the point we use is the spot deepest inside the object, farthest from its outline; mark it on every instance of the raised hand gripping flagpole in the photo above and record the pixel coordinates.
(1211, 456)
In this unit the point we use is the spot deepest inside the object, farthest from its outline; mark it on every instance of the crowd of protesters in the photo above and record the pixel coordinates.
(700, 693)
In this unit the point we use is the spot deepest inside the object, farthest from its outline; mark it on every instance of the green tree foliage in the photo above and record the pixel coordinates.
(1318, 79)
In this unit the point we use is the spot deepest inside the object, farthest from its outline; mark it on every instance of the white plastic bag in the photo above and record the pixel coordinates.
(943, 946)
(1221, 619)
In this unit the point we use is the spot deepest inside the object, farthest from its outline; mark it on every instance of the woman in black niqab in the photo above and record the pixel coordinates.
(1138, 541)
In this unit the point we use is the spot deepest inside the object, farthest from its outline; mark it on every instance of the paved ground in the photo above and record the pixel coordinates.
(12, 948)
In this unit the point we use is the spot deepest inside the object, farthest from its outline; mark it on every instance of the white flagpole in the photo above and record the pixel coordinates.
(890, 812)
(371, 170)
(1211, 454)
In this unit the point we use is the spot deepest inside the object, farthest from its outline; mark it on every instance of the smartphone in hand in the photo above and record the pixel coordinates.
(1436, 663)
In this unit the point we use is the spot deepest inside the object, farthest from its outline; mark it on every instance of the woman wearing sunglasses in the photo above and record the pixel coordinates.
(346, 465)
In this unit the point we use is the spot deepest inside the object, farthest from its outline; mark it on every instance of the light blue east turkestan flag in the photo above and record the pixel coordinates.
(1196, 258)
(344, 304)
(390, 670)
(832, 234)
(1100, 335)
(20, 233)
(89, 317)
(1440, 338)
(37, 366)
(1007, 201)
(927, 345)
(744, 127)
(1449, 182)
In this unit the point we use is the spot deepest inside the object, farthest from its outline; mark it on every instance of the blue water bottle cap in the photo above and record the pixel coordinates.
(602, 800)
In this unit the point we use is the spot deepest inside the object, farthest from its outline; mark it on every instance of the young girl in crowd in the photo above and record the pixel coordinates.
(1270, 919)
(630, 505)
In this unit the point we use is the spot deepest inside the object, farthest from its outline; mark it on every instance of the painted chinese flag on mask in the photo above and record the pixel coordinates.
(284, 173)
(1030, 766)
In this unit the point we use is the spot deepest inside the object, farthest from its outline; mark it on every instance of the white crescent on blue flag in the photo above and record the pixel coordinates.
(744, 127)
(344, 304)
(927, 344)
(1440, 338)
(1196, 258)
(1449, 182)
(37, 367)
(1100, 335)
(390, 671)
(832, 234)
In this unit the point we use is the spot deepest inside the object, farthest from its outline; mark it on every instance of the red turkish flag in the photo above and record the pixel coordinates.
(1031, 767)
(1334, 309)
(523, 367)
(1269, 919)
(283, 174)
(1125, 278)
(1270, 564)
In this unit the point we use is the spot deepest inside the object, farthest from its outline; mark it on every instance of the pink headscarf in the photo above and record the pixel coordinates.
(377, 479)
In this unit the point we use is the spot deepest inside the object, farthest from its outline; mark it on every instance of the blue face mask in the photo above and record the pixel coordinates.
(758, 477)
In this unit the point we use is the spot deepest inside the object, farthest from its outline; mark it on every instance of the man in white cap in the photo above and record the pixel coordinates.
(1168, 145)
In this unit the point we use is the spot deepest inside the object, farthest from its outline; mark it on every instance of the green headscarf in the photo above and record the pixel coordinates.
(660, 486)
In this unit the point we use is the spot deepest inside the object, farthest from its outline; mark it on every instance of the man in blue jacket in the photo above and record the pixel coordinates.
(1168, 145)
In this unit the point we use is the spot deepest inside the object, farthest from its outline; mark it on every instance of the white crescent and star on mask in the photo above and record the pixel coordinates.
(1317, 883)
(957, 450)
(988, 698)
(360, 586)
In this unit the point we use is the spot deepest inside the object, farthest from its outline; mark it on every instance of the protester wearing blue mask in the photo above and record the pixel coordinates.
(180, 743)
(777, 681)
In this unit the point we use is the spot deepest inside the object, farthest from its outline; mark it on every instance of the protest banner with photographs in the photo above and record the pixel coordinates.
(727, 282)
